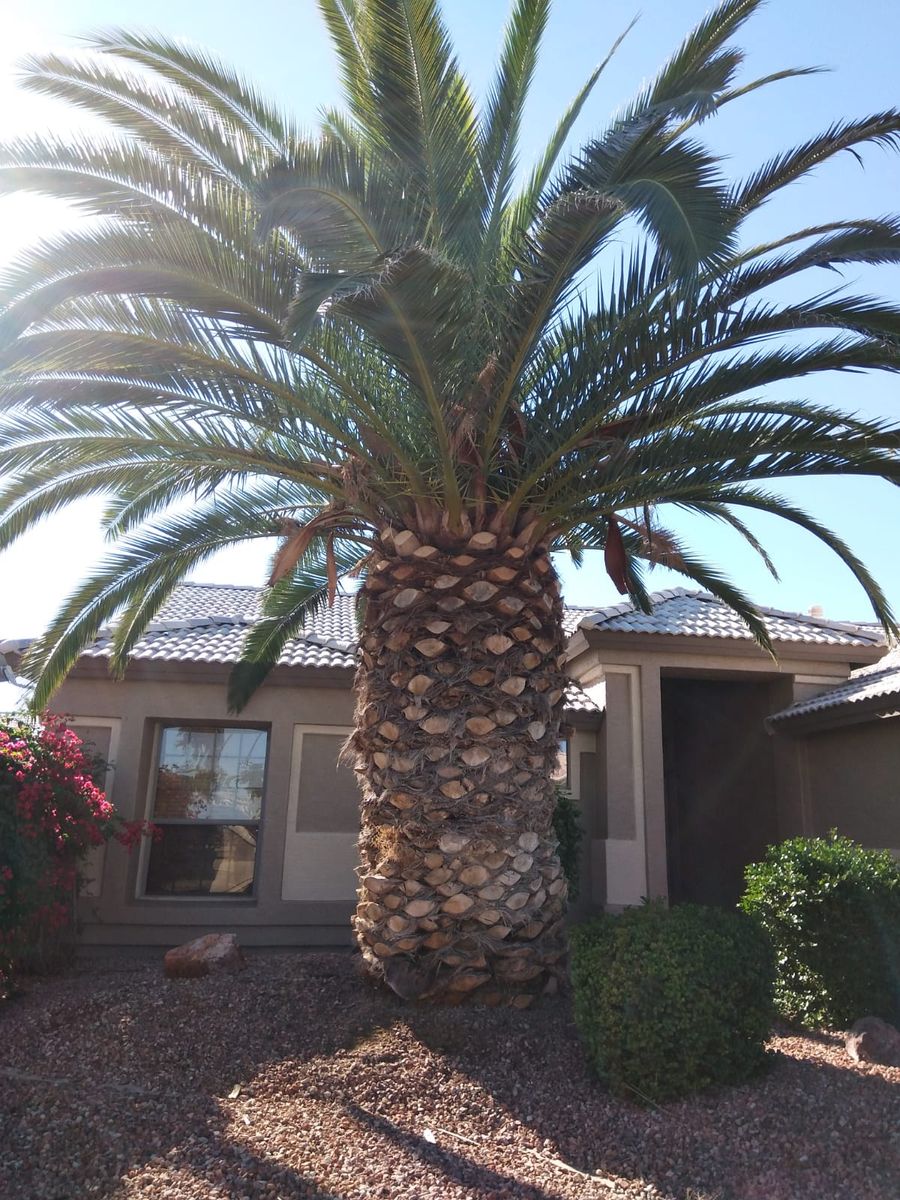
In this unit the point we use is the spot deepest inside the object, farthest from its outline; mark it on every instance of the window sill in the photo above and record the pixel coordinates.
(196, 899)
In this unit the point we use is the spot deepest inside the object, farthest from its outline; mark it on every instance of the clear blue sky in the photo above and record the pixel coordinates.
(283, 47)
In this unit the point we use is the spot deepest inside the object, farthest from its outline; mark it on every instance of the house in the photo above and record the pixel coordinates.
(667, 749)
(847, 746)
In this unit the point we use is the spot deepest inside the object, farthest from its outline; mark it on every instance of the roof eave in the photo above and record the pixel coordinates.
(180, 671)
(835, 716)
(680, 643)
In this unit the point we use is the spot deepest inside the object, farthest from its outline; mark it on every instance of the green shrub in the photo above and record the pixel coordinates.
(569, 834)
(669, 1001)
(832, 911)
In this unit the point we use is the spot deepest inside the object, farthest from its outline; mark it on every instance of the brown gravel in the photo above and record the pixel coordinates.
(294, 1079)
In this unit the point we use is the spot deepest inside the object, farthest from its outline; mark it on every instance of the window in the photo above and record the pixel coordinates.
(207, 805)
(561, 769)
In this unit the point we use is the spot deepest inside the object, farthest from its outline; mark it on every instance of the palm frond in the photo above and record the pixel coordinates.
(525, 209)
(883, 128)
(141, 567)
(778, 506)
(205, 78)
(502, 118)
(152, 112)
(426, 115)
(287, 608)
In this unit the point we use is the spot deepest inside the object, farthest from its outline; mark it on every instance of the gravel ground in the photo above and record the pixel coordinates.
(296, 1080)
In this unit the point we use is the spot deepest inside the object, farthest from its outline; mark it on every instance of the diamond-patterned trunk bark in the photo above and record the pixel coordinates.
(460, 694)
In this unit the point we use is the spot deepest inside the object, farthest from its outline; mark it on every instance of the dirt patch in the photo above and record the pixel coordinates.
(296, 1079)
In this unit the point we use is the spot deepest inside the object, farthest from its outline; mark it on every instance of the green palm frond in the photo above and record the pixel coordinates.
(233, 99)
(522, 213)
(883, 128)
(394, 321)
(428, 119)
(287, 608)
(780, 507)
(156, 114)
(145, 566)
(721, 512)
(502, 118)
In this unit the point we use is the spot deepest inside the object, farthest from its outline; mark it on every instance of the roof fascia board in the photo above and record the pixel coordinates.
(690, 645)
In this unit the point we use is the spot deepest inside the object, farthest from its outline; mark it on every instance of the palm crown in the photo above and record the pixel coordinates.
(382, 325)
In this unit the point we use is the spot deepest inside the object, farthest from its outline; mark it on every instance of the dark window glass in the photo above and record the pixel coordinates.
(202, 860)
(207, 805)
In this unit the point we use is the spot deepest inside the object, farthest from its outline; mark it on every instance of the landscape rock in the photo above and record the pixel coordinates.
(312, 1084)
(875, 1041)
(207, 955)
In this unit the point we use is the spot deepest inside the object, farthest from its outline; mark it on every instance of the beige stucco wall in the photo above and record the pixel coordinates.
(305, 872)
(851, 782)
(305, 869)
(276, 914)
(628, 842)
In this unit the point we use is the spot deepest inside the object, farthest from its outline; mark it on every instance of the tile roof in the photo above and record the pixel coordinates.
(578, 701)
(678, 611)
(207, 623)
(880, 680)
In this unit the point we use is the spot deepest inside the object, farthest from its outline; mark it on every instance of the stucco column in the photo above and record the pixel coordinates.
(624, 849)
(653, 782)
(628, 852)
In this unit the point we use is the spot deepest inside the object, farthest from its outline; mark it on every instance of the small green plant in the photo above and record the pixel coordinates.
(671, 1001)
(569, 833)
(831, 909)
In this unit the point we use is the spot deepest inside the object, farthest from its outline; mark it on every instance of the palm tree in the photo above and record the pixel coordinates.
(428, 371)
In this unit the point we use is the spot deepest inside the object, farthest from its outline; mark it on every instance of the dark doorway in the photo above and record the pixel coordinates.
(719, 785)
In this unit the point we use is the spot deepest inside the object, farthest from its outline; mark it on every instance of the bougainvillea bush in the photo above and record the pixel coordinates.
(52, 813)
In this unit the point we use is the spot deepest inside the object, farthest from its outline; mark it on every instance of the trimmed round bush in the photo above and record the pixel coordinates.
(669, 1001)
(832, 911)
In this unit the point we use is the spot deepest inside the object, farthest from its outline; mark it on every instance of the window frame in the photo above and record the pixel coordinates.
(143, 868)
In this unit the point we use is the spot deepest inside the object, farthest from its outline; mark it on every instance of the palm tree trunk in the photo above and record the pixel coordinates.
(460, 694)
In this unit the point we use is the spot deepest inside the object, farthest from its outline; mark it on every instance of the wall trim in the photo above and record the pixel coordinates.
(290, 827)
(97, 858)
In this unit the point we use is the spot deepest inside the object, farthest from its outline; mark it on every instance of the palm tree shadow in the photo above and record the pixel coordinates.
(457, 1167)
(692, 1147)
(139, 1103)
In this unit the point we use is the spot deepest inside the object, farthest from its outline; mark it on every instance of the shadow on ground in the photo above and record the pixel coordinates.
(806, 1129)
(296, 1080)
(112, 1074)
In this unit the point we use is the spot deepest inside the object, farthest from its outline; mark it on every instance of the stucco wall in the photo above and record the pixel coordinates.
(314, 914)
(628, 844)
(305, 881)
(305, 878)
(852, 782)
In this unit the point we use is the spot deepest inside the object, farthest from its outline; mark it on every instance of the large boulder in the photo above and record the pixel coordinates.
(875, 1041)
(207, 955)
